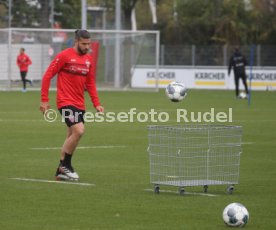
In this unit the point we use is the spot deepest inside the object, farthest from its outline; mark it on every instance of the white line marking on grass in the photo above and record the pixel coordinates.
(261, 120)
(247, 143)
(19, 112)
(53, 181)
(185, 193)
(22, 120)
(84, 147)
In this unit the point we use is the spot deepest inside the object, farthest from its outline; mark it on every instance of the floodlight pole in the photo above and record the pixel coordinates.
(117, 57)
(10, 58)
(52, 13)
(10, 13)
(83, 14)
(9, 43)
(252, 50)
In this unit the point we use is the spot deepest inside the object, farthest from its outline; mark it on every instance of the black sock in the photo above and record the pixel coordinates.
(60, 164)
(67, 160)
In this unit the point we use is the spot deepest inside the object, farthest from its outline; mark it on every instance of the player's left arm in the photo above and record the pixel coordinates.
(92, 90)
(245, 61)
(29, 60)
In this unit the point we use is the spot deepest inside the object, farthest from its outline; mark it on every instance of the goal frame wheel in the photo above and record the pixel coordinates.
(230, 189)
(181, 191)
(156, 189)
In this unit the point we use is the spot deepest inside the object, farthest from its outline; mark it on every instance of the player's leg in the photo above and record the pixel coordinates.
(75, 133)
(244, 83)
(23, 78)
(60, 175)
(237, 79)
(69, 133)
(69, 146)
(27, 80)
(75, 122)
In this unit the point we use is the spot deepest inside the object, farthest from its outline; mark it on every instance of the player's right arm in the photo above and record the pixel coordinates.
(29, 62)
(44, 106)
(54, 67)
(18, 61)
(231, 63)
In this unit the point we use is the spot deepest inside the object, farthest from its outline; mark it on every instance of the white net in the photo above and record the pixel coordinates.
(120, 52)
(192, 155)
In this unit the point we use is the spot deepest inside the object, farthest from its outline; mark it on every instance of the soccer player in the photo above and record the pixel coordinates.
(75, 74)
(23, 61)
(238, 62)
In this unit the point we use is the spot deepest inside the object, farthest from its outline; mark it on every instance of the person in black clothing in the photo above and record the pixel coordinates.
(238, 62)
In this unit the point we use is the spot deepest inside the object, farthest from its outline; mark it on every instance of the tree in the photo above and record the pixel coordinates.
(197, 21)
(68, 13)
(36, 13)
(25, 14)
(4, 14)
(127, 7)
(233, 26)
(201, 22)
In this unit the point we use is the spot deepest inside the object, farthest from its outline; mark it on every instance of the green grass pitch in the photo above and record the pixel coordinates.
(119, 199)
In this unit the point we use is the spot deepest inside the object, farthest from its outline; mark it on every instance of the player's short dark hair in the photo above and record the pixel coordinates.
(82, 34)
(23, 49)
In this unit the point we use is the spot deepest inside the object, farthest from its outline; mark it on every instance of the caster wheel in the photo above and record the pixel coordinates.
(230, 189)
(156, 189)
(205, 188)
(181, 191)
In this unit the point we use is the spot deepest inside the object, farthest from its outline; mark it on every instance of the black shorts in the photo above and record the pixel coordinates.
(71, 115)
(23, 75)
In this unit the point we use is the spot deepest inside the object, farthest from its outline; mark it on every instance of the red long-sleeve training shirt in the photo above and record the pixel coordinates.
(75, 74)
(23, 61)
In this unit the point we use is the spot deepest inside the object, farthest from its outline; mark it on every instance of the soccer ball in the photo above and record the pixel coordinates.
(243, 95)
(235, 215)
(176, 91)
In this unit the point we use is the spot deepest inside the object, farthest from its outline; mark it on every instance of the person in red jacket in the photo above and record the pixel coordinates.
(75, 75)
(23, 61)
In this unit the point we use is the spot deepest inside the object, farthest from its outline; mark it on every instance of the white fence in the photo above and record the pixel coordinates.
(129, 60)
(120, 51)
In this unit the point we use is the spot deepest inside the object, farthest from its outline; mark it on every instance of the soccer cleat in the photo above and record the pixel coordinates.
(242, 96)
(69, 172)
(61, 176)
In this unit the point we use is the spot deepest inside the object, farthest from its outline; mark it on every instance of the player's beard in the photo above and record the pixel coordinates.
(82, 51)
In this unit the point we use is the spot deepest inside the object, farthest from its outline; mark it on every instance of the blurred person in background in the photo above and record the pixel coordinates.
(23, 61)
(238, 62)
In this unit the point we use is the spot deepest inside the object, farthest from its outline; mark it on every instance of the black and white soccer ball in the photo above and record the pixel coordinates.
(176, 91)
(242, 95)
(235, 215)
